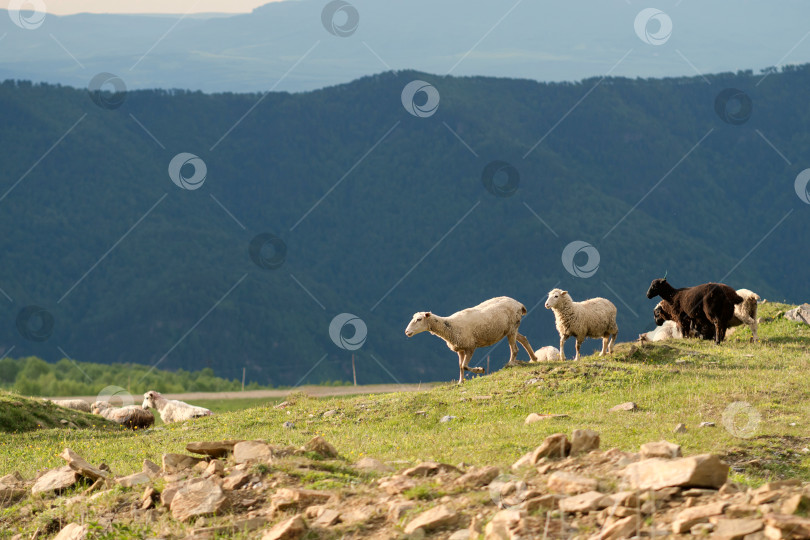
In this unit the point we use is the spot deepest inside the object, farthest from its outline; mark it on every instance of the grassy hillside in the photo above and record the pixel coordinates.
(20, 414)
(678, 382)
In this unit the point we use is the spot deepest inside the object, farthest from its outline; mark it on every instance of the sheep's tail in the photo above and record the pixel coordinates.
(523, 309)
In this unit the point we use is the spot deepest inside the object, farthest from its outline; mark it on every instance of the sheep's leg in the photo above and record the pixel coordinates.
(579, 344)
(719, 333)
(612, 342)
(605, 341)
(513, 350)
(750, 322)
(525, 343)
(467, 358)
(461, 367)
(562, 344)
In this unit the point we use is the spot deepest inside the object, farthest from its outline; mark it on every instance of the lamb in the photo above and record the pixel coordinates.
(75, 404)
(131, 416)
(547, 354)
(667, 330)
(172, 410)
(479, 326)
(593, 318)
(709, 303)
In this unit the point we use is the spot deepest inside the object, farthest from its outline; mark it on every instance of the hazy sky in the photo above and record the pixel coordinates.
(66, 7)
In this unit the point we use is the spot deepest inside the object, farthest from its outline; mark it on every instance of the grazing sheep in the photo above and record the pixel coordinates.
(696, 307)
(594, 318)
(131, 416)
(667, 330)
(75, 404)
(547, 354)
(172, 410)
(479, 326)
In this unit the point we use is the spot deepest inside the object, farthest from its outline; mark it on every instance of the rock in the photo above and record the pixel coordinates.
(660, 449)
(796, 503)
(198, 497)
(327, 518)
(705, 470)
(291, 529)
(622, 528)
(12, 479)
(395, 485)
(215, 468)
(435, 518)
(168, 493)
(285, 498)
(178, 462)
(235, 480)
(447, 418)
(396, 510)
(680, 428)
(78, 464)
(215, 449)
(629, 406)
(10, 495)
(736, 529)
(288, 425)
(72, 531)
(320, 446)
(534, 417)
(368, 464)
(778, 484)
(685, 519)
(524, 461)
(782, 526)
(477, 477)
(506, 525)
(532, 502)
(327, 414)
(556, 445)
(799, 314)
(585, 502)
(358, 515)
(701, 529)
(246, 451)
(462, 534)
(133, 479)
(56, 480)
(628, 499)
(570, 483)
(151, 469)
(707, 424)
(583, 441)
(428, 468)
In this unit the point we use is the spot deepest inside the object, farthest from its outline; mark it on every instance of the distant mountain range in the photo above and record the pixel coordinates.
(285, 45)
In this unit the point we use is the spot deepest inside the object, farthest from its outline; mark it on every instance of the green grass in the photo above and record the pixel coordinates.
(680, 381)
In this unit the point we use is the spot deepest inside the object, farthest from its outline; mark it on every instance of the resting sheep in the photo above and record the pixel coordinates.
(172, 410)
(667, 330)
(131, 416)
(547, 354)
(75, 404)
(479, 326)
(594, 318)
(709, 303)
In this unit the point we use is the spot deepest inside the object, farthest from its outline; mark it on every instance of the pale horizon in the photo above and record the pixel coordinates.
(141, 7)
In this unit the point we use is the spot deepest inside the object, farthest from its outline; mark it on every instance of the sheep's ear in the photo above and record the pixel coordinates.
(427, 314)
(565, 292)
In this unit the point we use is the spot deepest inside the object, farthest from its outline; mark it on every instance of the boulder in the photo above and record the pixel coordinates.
(246, 451)
(198, 497)
(689, 517)
(784, 526)
(320, 446)
(73, 531)
(235, 480)
(583, 441)
(133, 479)
(736, 529)
(477, 477)
(570, 483)
(78, 464)
(56, 480)
(660, 449)
(151, 469)
(291, 529)
(705, 470)
(435, 518)
(285, 498)
(556, 445)
(506, 525)
(178, 462)
(799, 314)
(584, 503)
(622, 528)
(215, 449)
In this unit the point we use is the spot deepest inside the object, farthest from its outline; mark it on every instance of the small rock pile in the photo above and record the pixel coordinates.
(565, 488)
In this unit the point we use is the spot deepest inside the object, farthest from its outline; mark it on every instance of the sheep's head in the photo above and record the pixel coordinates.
(656, 287)
(555, 296)
(98, 406)
(660, 315)
(149, 399)
(419, 323)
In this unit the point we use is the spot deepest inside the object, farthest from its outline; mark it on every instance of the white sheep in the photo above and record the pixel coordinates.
(746, 313)
(75, 404)
(172, 410)
(479, 326)
(668, 330)
(131, 416)
(547, 354)
(594, 318)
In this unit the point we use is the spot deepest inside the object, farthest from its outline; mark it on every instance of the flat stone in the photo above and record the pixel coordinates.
(622, 498)
(368, 464)
(246, 451)
(570, 483)
(524, 461)
(705, 470)
(736, 529)
(428, 468)
(697, 514)
(291, 529)
(556, 445)
(73, 531)
(506, 525)
(583, 441)
(584, 503)
(447, 418)
(435, 518)
(320, 446)
(56, 480)
(796, 503)
(12, 479)
(628, 406)
(534, 417)
(707, 424)
(235, 480)
(216, 449)
(327, 518)
(395, 485)
(178, 462)
(198, 497)
(285, 498)
(622, 528)
(478, 477)
(78, 464)
(660, 449)
(150, 468)
(783, 526)
(133, 479)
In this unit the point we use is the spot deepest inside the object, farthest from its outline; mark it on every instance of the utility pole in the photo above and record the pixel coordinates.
(243, 378)
(354, 371)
